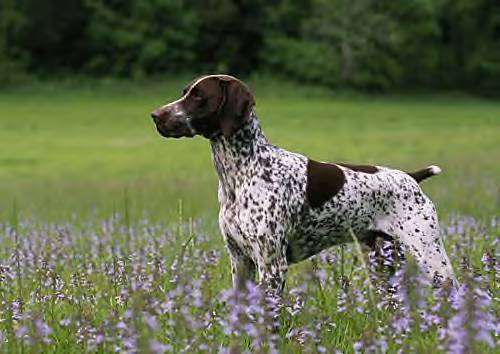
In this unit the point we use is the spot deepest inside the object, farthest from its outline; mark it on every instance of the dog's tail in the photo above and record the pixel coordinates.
(425, 173)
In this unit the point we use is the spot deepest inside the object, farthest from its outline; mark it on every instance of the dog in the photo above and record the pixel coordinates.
(278, 207)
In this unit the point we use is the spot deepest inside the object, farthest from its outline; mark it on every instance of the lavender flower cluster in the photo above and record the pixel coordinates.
(109, 286)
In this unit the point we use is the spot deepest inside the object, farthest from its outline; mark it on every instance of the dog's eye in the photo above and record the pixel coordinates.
(196, 94)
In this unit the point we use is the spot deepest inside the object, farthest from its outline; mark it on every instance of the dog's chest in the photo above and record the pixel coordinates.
(259, 208)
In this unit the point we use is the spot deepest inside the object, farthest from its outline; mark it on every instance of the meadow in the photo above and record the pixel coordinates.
(81, 147)
(110, 242)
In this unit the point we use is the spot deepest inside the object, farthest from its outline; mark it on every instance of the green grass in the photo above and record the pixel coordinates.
(72, 150)
(73, 147)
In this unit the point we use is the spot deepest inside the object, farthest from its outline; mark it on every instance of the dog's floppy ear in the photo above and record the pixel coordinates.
(236, 105)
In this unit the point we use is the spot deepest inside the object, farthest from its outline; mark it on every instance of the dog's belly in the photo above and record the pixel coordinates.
(349, 214)
(318, 234)
(303, 246)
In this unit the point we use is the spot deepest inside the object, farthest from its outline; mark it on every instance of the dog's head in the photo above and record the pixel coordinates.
(210, 106)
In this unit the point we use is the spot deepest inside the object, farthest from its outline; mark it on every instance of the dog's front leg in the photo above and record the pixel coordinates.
(272, 268)
(242, 269)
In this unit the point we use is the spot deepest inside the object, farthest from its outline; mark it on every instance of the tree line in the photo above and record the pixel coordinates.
(366, 44)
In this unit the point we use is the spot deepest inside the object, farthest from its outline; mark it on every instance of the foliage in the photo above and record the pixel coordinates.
(10, 53)
(363, 44)
(341, 43)
(312, 62)
(230, 34)
(140, 37)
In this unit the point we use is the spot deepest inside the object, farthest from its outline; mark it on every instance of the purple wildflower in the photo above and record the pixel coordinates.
(358, 346)
(298, 295)
(65, 322)
(458, 336)
(341, 300)
(151, 322)
(21, 332)
(484, 322)
(121, 325)
(402, 321)
(159, 348)
(43, 330)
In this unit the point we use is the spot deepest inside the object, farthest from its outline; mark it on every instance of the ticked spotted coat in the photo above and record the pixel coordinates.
(278, 207)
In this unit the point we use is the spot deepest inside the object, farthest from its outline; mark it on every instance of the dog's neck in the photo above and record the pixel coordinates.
(234, 155)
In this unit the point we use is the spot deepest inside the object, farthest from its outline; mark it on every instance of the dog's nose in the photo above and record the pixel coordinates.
(155, 115)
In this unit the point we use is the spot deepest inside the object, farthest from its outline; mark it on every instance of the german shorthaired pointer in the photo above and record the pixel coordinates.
(279, 207)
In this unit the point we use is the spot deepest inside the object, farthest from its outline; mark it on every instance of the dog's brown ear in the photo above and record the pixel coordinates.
(237, 104)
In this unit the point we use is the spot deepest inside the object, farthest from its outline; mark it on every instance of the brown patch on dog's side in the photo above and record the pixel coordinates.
(360, 168)
(324, 180)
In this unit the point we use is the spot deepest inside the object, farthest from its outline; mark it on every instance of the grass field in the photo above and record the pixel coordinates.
(75, 148)
(109, 239)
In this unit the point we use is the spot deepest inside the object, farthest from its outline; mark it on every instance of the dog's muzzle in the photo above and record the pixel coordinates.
(172, 125)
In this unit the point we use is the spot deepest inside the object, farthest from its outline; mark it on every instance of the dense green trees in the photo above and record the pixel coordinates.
(369, 44)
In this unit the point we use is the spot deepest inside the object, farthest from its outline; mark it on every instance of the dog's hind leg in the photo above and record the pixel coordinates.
(417, 230)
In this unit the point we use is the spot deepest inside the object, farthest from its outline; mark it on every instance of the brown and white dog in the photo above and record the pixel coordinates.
(279, 207)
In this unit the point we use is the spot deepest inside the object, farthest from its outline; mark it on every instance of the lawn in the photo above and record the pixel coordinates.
(87, 147)
(110, 244)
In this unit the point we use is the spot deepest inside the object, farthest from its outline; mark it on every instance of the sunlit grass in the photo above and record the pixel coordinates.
(72, 147)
